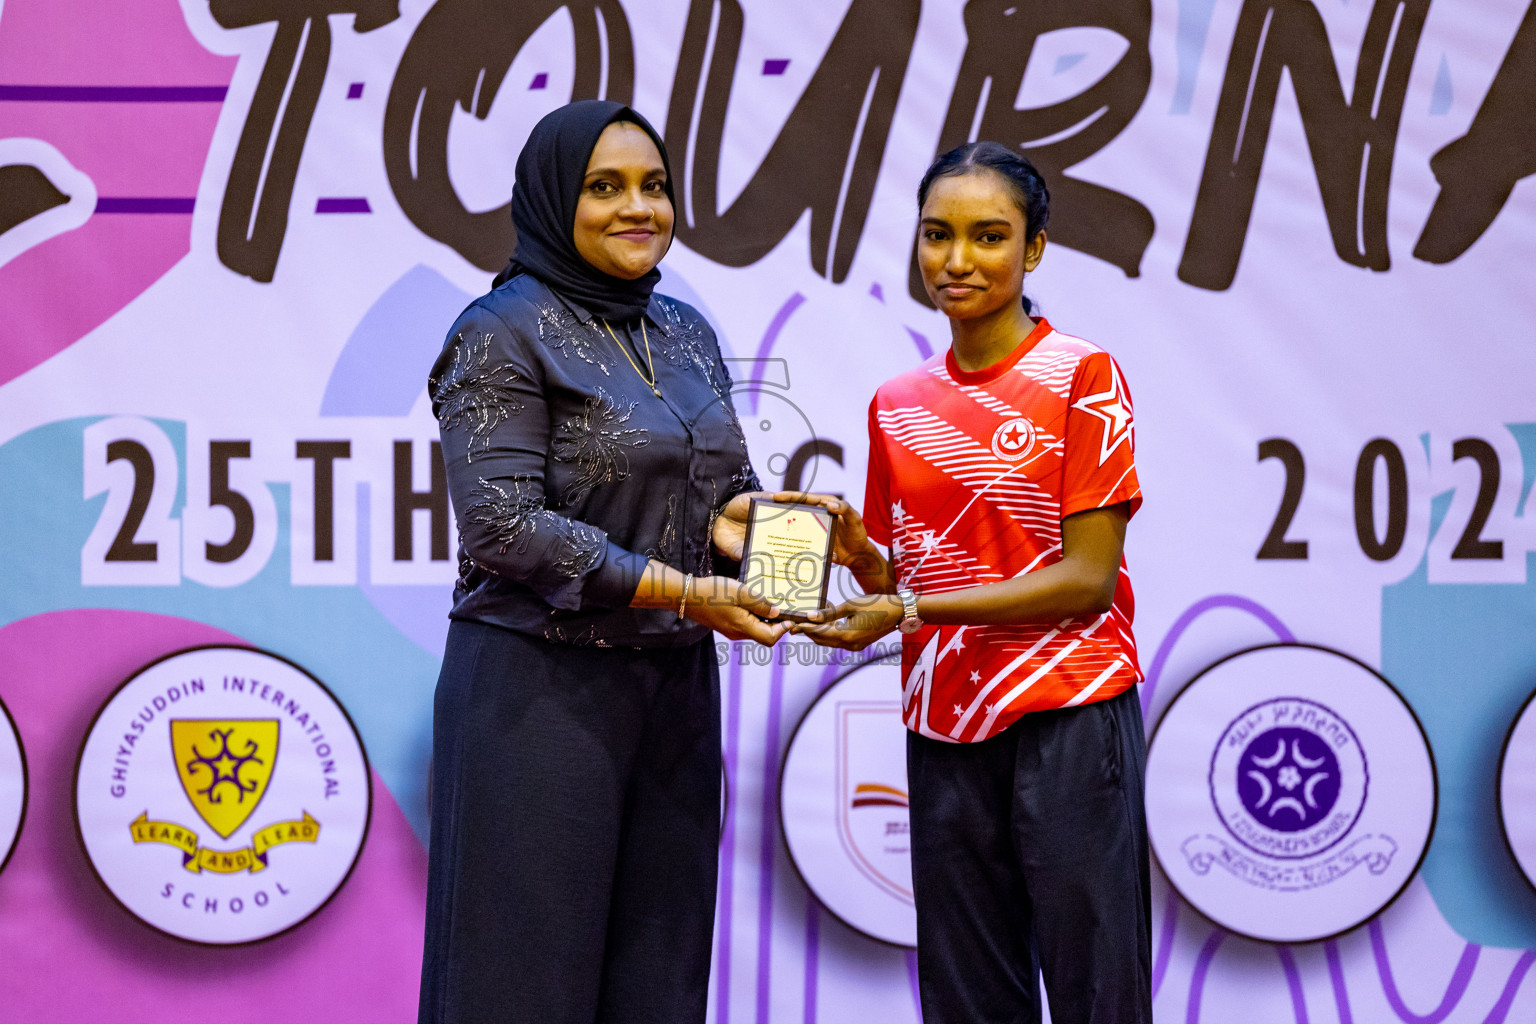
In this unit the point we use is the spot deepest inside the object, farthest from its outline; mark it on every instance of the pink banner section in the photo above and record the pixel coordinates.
(72, 954)
(131, 42)
(130, 99)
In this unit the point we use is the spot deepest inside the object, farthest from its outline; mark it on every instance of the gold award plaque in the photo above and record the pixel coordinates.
(785, 555)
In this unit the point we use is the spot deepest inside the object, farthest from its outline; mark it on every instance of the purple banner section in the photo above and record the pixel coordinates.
(342, 205)
(1197, 978)
(1293, 983)
(113, 93)
(1184, 621)
(765, 349)
(144, 204)
(1460, 979)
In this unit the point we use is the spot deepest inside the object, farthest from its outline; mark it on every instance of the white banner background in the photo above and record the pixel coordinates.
(1302, 345)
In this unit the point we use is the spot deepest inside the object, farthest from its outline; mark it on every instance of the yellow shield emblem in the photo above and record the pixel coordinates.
(224, 766)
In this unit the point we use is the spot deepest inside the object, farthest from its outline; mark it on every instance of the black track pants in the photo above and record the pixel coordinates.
(1029, 853)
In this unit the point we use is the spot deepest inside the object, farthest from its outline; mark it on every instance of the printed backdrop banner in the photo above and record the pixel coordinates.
(232, 235)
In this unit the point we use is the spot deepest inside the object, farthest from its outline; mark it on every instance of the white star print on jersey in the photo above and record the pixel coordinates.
(970, 475)
(1112, 409)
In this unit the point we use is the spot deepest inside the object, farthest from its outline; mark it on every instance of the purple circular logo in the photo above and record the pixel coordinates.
(1288, 779)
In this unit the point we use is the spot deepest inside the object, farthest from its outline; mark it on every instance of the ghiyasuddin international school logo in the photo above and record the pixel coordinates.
(1291, 793)
(222, 795)
(225, 783)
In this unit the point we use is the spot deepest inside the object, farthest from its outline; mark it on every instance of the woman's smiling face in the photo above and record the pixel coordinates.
(623, 219)
(972, 248)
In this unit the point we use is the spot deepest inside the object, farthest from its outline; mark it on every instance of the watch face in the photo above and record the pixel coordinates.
(910, 623)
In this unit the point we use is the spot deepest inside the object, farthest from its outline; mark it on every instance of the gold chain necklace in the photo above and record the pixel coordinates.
(650, 364)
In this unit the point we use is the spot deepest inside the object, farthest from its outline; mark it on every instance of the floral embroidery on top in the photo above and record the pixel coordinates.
(468, 567)
(586, 638)
(745, 479)
(514, 515)
(475, 391)
(733, 422)
(663, 549)
(562, 331)
(685, 346)
(705, 563)
(569, 465)
(594, 442)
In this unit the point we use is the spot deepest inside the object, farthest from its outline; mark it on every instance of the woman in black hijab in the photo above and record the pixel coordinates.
(593, 457)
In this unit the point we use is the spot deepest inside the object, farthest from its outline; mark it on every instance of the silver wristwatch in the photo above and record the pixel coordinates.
(910, 623)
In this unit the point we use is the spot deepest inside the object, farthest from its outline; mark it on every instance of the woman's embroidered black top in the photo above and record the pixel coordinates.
(567, 472)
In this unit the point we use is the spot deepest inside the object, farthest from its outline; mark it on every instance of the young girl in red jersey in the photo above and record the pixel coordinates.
(1001, 477)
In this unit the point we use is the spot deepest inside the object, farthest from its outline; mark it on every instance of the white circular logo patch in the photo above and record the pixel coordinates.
(843, 804)
(222, 795)
(13, 785)
(1290, 793)
(1517, 789)
(1014, 439)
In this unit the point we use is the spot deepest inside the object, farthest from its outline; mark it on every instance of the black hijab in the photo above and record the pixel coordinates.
(550, 170)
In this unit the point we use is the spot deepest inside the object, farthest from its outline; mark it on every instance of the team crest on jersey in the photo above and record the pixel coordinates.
(1013, 439)
(222, 795)
(1320, 793)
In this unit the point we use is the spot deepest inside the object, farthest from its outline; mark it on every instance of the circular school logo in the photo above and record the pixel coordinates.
(1290, 790)
(843, 803)
(222, 795)
(1517, 789)
(13, 785)
(1013, 439)
(1290, 793)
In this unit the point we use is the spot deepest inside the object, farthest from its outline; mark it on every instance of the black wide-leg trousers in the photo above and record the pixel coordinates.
(1029, 854)
(575, 832)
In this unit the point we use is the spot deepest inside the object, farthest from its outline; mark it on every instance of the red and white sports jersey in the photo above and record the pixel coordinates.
(970, 475)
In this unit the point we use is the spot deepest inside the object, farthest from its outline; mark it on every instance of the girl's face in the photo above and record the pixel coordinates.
(623, 218)
(971, 246)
